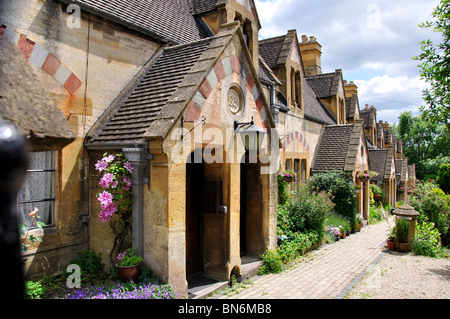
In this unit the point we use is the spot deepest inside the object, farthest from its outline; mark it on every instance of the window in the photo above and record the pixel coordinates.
(38, 190)
(303, 170)
(295, 88)
(296, 169)
(288, 164)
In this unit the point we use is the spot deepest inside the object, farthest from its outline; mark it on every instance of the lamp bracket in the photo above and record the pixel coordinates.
(202, 122)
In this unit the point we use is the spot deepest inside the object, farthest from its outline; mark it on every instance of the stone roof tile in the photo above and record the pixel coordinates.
(166, 20)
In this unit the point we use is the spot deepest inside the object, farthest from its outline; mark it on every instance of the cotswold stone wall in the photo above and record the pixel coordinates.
(83, 62)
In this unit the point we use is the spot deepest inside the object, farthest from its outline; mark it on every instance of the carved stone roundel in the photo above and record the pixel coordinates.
(234, 100)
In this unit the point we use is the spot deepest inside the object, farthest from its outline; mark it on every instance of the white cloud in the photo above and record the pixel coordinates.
(371, 41)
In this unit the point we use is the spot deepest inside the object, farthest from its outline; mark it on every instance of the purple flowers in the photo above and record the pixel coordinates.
(146, 290)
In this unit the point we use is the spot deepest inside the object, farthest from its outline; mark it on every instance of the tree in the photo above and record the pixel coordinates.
(435, 67)
(444, 178)
(425, 143)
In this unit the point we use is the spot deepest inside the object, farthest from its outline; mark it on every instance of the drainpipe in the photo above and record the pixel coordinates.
(139, 158)
(273, 108)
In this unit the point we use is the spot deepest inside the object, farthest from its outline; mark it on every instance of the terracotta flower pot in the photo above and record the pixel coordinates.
(127, 273)
(343, 235)
(401, 247)
(391, 245)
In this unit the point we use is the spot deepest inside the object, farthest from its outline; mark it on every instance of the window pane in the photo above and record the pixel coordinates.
(303, 178)
(38, 189)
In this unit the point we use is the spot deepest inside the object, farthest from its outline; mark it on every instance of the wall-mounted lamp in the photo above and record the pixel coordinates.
(252, 136)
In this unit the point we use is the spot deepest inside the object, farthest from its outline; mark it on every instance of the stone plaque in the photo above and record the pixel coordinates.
(234, 100)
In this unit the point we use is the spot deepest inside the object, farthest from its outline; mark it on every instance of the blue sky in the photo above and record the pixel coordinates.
(373, 42)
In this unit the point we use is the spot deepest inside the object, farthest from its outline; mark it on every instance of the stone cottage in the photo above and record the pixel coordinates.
(177, 68)
(177, 86)
(382, 162)
(299, 115)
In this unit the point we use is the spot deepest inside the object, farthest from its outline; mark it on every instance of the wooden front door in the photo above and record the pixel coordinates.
(194, 220)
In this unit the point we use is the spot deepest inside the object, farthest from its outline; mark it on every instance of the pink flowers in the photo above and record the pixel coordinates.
(105, 198)
(116, 179)
(106, 180)
(128, 167)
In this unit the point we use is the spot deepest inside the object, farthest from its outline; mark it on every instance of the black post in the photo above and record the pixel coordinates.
(13, 164)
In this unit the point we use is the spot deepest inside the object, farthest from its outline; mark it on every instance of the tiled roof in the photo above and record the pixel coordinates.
(338, 147)
(350, 107)
(203, 6)
(166, 20)
(378, 158)
(369, 116)
(314, 109)
(266, 75)
(332, 149)
(270, 50)
(324, 85)
(401, 167)
(381, 162)
(141, 106)
(25, 103)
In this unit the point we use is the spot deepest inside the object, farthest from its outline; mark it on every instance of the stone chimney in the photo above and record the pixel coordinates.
(350, 89)
(311, 52)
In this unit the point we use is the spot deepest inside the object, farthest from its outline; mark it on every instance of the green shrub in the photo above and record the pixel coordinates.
(90, 263)
(444, 178)
(427, 241)
(375, 213)
(342, 189)
(402, 230)
(378, 194)
(34, 289)
(335, 220)
(271, 263)
(305, 212)
(283, 194)
(434, 206)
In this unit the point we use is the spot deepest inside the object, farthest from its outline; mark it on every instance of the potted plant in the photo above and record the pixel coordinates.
(402, 235)
(128, 265)
(288, 176)
(363, 177)
(342, 232)
(348, 229)
(359, 221)
(392, 238)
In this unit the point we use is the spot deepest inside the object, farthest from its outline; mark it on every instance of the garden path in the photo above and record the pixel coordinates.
(325, 273)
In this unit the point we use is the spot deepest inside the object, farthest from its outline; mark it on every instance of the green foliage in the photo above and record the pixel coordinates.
(272, 263)
(435, 67)
(425, 144)
(444, 178)
(378, 194)
(90, 263)
(342, 189)
(427, 241)
(34, 289)
(375, 214)
(402, 230)
(305, 212)
(434, 206)
(283, 194)
(128, 258)
(335, 220)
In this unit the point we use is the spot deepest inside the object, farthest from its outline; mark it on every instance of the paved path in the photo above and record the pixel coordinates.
(327, 272)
